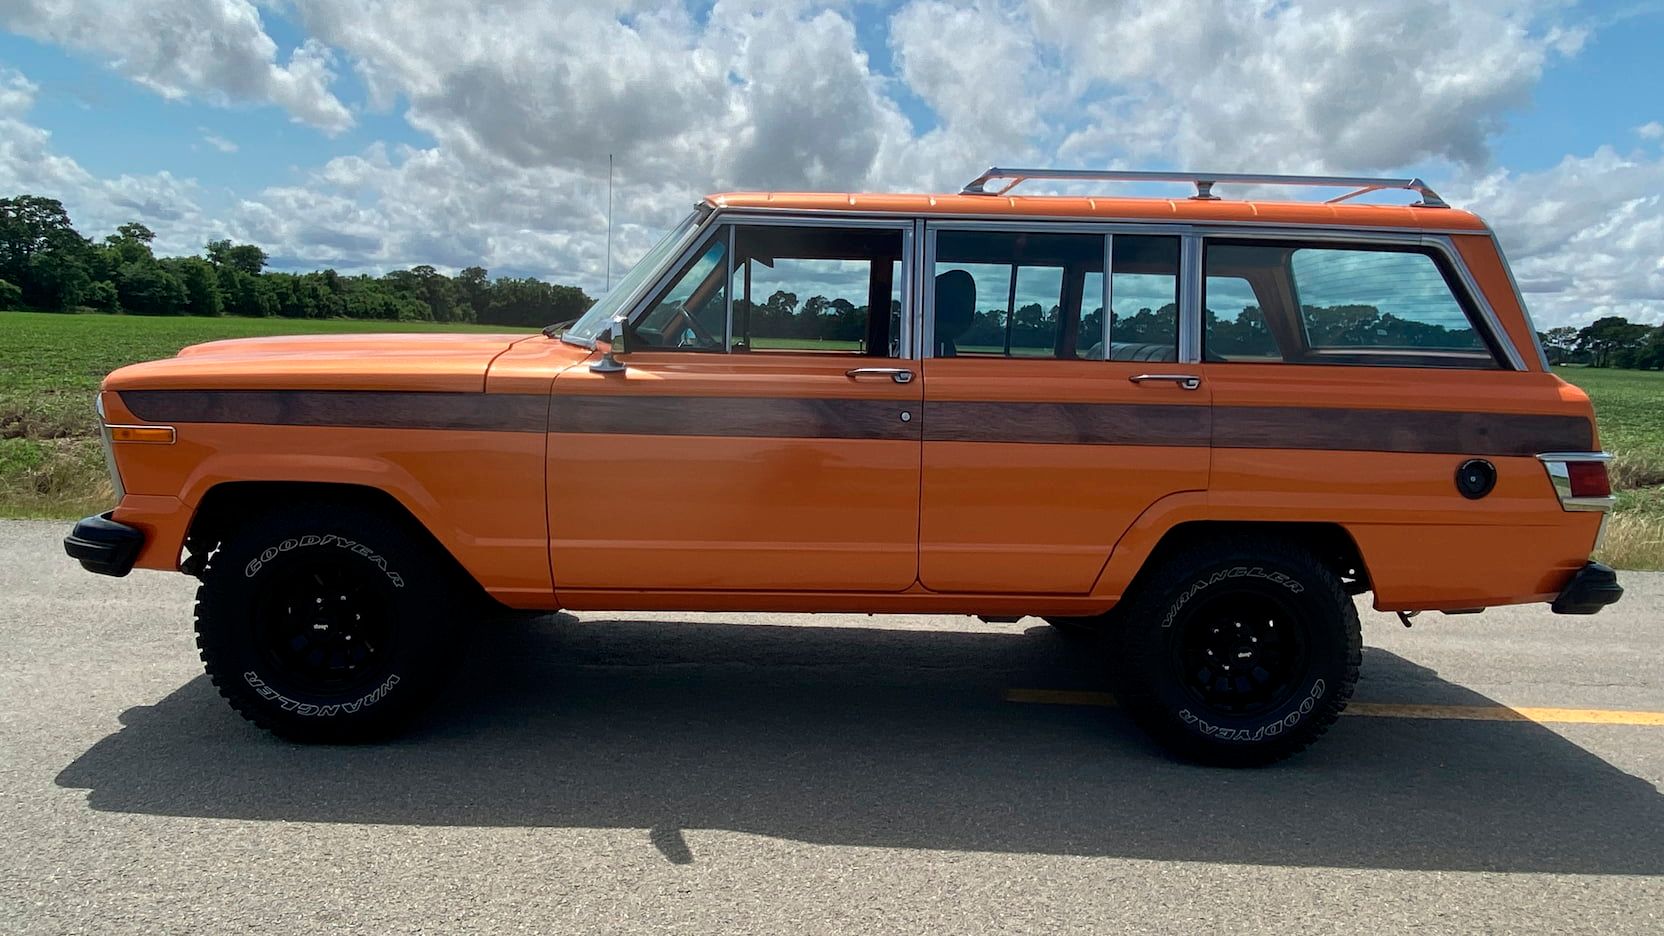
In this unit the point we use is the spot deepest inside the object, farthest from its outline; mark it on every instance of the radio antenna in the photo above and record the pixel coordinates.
(609, 222)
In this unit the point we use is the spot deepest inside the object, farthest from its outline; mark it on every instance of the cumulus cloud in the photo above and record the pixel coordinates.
(214, 49)
(519, 103)
(29, 164)
(1585, 238)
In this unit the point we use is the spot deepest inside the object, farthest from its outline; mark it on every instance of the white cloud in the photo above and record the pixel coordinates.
(216, 141)
(28, 164)
(1585, 238)
(214, 49)
(521, 101)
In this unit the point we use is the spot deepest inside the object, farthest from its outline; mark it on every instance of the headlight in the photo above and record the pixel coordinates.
(109, 450)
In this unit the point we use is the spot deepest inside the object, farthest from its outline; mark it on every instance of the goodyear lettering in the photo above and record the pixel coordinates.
(321, 711)
(329, 539)
(1269, 730)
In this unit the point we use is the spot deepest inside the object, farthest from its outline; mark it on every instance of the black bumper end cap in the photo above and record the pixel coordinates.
(1593, 587)
(104, 546)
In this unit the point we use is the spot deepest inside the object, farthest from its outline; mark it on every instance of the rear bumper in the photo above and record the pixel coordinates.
(1593, 587)
(104, 546)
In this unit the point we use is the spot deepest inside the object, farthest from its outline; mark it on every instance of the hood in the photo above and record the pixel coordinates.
(427, 362)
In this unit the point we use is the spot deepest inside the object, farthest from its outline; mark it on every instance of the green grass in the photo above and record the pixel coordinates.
(51, 466)
(1629, 405)
(50, 368)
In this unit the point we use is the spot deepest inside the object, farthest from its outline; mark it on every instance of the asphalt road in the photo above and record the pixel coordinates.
(838, 773)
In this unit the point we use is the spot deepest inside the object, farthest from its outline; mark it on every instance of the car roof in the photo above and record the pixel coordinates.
(1176, 210)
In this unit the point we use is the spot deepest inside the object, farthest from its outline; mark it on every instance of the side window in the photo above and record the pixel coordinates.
(1369, 298)
(1236, 328)
(1320, 304)
(1017, 294)
(1040, 295)
(1144, 299)
(692, 313)
(815, 289)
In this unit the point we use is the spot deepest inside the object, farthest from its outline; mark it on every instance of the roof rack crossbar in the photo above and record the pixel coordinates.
(1204, 182)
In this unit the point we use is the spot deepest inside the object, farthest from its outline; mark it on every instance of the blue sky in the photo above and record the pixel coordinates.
(381, 134)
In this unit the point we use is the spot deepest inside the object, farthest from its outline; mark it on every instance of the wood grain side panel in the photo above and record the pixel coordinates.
(370, 409)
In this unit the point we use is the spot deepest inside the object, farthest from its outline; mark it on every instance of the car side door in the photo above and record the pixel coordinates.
(763, 433)
(1050, 428)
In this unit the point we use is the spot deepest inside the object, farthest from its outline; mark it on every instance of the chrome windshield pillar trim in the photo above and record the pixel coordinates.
(1190, 300)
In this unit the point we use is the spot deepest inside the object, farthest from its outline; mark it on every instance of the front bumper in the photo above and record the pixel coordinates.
(104, 546)
(1593, 587)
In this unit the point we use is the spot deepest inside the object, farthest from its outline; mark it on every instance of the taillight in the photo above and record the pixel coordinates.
(1580, 479)
(1588, 479)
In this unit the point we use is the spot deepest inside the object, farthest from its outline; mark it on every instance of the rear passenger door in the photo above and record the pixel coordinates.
(1050, 427)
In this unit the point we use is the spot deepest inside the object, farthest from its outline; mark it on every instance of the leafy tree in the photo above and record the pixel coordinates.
(148, 289)
(244, 258)
(1604, 337)
(202, 285)
(1559, 344)
(10, 296)
(102, 295)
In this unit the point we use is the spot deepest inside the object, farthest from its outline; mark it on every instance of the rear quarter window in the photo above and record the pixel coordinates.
(1333, 304)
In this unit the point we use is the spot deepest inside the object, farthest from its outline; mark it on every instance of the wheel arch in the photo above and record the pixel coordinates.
(221, 505)
(1187, 518)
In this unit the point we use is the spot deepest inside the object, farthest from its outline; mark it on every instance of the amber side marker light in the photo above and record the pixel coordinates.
(155, 434)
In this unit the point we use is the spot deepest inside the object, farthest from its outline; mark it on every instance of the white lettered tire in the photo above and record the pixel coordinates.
(1238, 651)
(328, 622)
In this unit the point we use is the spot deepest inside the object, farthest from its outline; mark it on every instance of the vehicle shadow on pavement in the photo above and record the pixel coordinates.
(889, 738)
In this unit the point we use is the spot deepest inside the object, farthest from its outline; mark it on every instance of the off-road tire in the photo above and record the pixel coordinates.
(295, 675)
(1176, 613)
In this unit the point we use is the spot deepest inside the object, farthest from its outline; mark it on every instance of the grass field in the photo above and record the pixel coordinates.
(51, 466)
(50, 366)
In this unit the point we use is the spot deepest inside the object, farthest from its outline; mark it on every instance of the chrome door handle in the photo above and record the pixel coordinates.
(1187, 381)
(897, 374)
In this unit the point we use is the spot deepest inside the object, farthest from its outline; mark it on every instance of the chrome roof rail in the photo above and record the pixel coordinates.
(1204, 182)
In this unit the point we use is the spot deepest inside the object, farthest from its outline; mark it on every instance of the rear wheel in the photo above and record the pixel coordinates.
(328, 623)
(1237, 652)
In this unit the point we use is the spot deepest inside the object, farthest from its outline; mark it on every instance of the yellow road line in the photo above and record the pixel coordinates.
(1501, 713)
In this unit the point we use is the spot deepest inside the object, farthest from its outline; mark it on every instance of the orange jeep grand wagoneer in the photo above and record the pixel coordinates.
(1194, 426)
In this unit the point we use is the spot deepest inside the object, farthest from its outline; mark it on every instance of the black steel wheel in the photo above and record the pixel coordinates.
(1238, 651)
(330, 622)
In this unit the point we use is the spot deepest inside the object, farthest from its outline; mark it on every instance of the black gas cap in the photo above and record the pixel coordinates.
(1475, 478)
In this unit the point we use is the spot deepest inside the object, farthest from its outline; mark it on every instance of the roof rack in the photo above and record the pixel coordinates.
(1204, 182)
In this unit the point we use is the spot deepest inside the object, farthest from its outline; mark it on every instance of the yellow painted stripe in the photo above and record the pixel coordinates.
(1501, 713)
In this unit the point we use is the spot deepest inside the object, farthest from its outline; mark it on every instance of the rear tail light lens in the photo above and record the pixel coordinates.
(1580, 479)
(1588, 479)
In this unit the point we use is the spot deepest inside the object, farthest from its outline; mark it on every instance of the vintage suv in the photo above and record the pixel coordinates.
(1196, 426)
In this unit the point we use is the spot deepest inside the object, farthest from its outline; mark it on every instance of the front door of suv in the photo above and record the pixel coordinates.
(1047, 429)
(764, 434)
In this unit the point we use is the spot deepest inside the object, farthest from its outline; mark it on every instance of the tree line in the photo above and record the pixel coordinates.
(1612, 341)
(46, 264)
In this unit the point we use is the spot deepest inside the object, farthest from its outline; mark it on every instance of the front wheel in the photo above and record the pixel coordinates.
(328, 622)
(1237, 652)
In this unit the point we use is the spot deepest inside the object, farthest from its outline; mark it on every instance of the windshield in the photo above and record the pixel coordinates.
(594, 322)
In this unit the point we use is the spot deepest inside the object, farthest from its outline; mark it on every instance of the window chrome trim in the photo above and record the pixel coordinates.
(701, 237)
(1560, 476)
(1190, 299)
(1441, 243)
(1108, 324)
